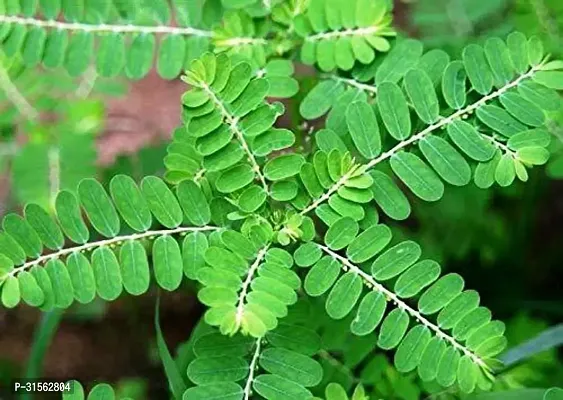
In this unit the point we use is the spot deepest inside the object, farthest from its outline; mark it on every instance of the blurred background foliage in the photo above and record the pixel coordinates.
(506, 242)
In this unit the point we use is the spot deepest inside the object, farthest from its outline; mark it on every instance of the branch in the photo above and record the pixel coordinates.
(415, 138)
(108, 242)
(390, 296)
(75, 26)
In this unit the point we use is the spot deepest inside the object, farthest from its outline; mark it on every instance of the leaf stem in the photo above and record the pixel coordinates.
(246, 284)
(346, 32)
(233, 123)
(14, 95)
(107, 242)
(374, 285)
(252, 370)
(75, 26)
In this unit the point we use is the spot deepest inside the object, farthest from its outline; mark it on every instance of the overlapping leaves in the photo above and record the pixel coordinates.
(339, 33)
(123, 32)
(65, 275)
(497, 101)
(229, 126)
(446, 337)
(275, 367)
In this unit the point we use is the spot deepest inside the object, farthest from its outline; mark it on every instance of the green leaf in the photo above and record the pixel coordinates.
(207, 370)
(106, 271)
(404, 56)
(389, 197)
(161, 201)
(70, 219)
(193, 203)
(523, 110)
(453, 85)
(167, 261)
(442, 292)
(468, 139)
(283, 166)
(396, 260)
(11, 292)
(55, 48)
(447, 162)
(447, 367)
(254, 196)
(101, 391)
(344, 295)
(218, 391)
(416, 278)
(22, 232)
(423, 97)
(139, 56)
(498, 57)
(11, 249)
(394, 110)
(458, 308)
(32, 51)
(30, 291)
(370, 313)
(393, 329)
(368, 243)
(134, 267)
(235, 178)
(341, 233)
(291, 365)
(171, 56)
(410, 350)
(417, 176)
(110, 57)
(319, 100)
(295, 337)
(322, 276)
(518, 49)
(363, 127)
(428, 365)
(62, 284)
(82, 278)
(48, 231)
(79, 52)
(477, 69)
(307, 254)
(275, 387)
(499, 120)
(130, 203)
(98, 207)
(505, 172)
(535, 51)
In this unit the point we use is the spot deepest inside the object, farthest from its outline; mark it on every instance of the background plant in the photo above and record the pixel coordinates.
(285, 232)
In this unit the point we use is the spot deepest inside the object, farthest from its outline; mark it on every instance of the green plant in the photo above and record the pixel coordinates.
(266, 228)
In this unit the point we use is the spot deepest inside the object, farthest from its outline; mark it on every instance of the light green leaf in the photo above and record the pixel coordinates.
(341, 233)
(370, 313)
(447, 162)
(82, 278)
(44, 226)
(193, 202)
(393, 329)
(283, 166)
(62, 284)
(477, 69)
(106, 271)
(416, 278)
(167, 261)
(389, 197)
(319, 100)
(22, 232)
(505, 171)
(423, 97)
(322, 276)
(30, 291)
(468, 139)
(161, 201)
(11, 294)
(207, 370)
(368, 243)
(442, 292)
(134, 267)
(218, 391)
(523, 110)
(395, 260)
(275, 387)
(453, 85)
(417, 176)
(344, 295)
(130, 203)
(410, 350)
(98, 207)
(171, 56)
(70, 219)
(364, 129)
(292, 366)
(499, 120)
